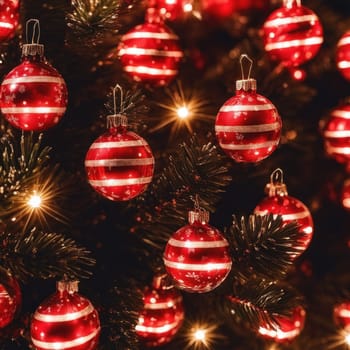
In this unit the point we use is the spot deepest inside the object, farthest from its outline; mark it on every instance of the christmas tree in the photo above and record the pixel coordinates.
(174, 174)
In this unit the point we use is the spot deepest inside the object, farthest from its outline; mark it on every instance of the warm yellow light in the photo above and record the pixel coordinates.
(35, 201)
(199, 335)
(347, 339)
(183, 112)
(188, 7)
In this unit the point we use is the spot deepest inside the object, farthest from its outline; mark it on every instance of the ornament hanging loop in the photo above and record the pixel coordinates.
(121, 108)
(36, 31)
(246, 83)
(276, 187)
(199, 214)
(242, 68)
(277, 176)
(32, 47)
(118, 118)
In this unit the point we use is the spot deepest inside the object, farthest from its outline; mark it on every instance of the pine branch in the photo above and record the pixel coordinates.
(44, 255)
(263, 245)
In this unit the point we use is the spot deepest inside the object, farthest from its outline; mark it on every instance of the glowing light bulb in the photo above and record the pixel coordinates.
(347, 339)
(183, 112)
(200, 335)
(35, 201)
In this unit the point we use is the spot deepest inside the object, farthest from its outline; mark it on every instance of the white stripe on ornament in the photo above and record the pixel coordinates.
(246, 108)
(199, 244)
(150, 35)
(278, 334)
(159, 330)
(289, 217)
(294, 43)
(338, 150)
(343, 64)
(249, 146)
(197, 267)
(344, 41)
(340, 113)
(118, 144)
(149, 52)
(6, 25)
(33, 110)
(118, 162)
(120, 182)
(337, 133)
(247, 128)
(65, 344)
(66, 317)
(344, 313)
(290, 20)
(161, 306)
(150, 71)
(34, 79)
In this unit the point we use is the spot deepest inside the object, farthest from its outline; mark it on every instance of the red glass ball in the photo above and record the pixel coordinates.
(291, 209)
(173, 9)
(10, 297)
(162, 316)
(336, 133)
(66, 320)
(248, 127)
(292, 34)
(119, 165)
(150, 53)
(343, 55)
(286, 328)
(341, 313)
(33, 96)
(9, 16)
(197, 257)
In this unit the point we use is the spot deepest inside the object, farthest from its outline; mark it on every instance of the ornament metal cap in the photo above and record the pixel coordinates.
(246, 84)
(276, 187)
(115, 120)
(33, 50)
(201, 216)
(67, 286)
(161, 281)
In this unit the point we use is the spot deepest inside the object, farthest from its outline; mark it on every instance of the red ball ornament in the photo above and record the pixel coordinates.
(343, 55)
(286, 328)
(197, 255)
(10, 297)
(162, 315)
(150, 53)
(248, 126)
(172, 10)
(9, 16)
(33, 95)
(292, 34)
(341, 313)
(66, 320)
(336, 133)
(119, 164)
(291, 209)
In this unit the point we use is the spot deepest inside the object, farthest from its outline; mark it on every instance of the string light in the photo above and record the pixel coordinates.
(35, 200)
(202, 336)
(183, 112)
(347, 339)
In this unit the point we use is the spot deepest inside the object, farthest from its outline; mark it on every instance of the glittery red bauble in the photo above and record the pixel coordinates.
(286, 328)
(150, 53)
(119, 164)
(66, 320)
(173, 9)
(341, 314)
(10, 297)
(292, 34)
(345, 195)
(343, 55)
(291, 209)
(248, 126)
(336, 134)
(197, 256)
(33, 95)
(9, 15)
(161, 317)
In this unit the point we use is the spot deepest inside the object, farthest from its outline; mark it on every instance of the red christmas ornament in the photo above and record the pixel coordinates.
(336, 133)
(33, 95)
(162, 315)
(197, 255)
(292, 34)
(150, 53)
(172, 10)
(291, 209)
(66, 320)
(345, 195)
(120, 163)
(343, 55)
(248, 126)
(9, 16)
(10, 297)
(341, 313)
(286, 328)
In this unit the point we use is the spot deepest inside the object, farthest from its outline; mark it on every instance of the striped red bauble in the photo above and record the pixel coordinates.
(162, 314)
(278, 202)
(197, 255)
(343, 55)
(33, 96)
(341, 314)
(248, 126)
(150, 53)
(119, 164)
(9, 16)
(65, 321)
(292, 34)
